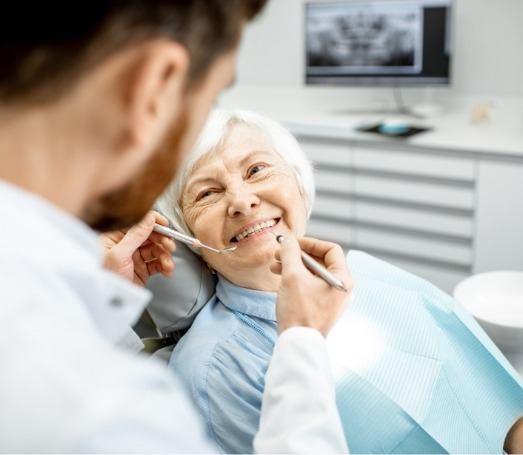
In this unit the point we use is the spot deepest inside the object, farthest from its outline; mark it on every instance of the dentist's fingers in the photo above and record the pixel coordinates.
(303, 298)
(141, 233)
(162, 240)
(155, 252)
(290, 257)
(275, 267)
(136, 236)
(144, 269)
(329, 254)
(140, 252)
(155, 267)
(141, 270)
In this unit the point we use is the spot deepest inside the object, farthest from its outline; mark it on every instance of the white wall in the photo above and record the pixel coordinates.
(487, 60)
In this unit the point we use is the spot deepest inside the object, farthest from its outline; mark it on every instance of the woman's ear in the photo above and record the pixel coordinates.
(155, 91)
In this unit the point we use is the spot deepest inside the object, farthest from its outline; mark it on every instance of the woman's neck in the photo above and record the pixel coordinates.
(260, 279)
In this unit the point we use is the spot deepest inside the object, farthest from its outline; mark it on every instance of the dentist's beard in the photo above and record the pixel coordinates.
(122, 208)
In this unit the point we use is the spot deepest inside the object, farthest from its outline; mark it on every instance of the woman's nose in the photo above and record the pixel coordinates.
(242, 202)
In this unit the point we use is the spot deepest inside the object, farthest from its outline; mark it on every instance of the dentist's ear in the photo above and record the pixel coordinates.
(155, 91)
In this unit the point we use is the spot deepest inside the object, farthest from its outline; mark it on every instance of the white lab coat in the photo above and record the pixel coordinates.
(298, 412)
(66, 387)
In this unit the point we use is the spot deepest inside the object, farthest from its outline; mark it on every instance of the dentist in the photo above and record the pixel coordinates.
(99, 102)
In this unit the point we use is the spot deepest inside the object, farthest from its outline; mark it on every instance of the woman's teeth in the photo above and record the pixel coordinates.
(255, 229)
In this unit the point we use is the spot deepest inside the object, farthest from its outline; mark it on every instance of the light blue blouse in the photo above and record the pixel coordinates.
(440, 384)
(223, 359)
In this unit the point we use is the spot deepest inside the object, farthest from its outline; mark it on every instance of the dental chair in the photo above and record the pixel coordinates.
(176, 302)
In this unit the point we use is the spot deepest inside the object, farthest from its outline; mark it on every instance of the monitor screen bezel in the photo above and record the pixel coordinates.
(373, 81)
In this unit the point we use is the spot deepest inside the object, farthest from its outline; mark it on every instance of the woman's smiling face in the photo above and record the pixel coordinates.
(238, 195)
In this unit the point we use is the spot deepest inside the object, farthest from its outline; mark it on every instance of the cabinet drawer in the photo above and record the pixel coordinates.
(413, 219)
(423, 248)
(407, 191)
(333, 232)
(334, 207)
(341, 182)
(327, 152)
(419, 163)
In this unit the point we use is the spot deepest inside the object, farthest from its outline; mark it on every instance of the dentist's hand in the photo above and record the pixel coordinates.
(139, 253)
(304, 299)
(514, 439)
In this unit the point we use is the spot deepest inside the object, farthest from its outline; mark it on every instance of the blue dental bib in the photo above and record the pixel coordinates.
(412, 366)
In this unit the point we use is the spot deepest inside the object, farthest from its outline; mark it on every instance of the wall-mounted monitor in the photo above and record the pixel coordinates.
(378, 42)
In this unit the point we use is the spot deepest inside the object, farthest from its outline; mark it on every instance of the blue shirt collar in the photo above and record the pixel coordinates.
(260, 304)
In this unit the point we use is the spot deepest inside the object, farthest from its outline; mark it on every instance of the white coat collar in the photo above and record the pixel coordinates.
(45, 236)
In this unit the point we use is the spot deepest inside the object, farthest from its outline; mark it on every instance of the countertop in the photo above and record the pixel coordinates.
(501, 134)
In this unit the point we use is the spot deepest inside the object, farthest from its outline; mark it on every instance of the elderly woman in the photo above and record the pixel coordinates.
(414, 373)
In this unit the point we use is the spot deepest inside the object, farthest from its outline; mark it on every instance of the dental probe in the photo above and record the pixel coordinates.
(317, 268)
(192, 241)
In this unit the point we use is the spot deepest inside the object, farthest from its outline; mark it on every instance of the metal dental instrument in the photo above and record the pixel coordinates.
(192, 241)
(317, 268)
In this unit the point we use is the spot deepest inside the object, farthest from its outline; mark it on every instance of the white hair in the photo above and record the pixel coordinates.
(213, 137)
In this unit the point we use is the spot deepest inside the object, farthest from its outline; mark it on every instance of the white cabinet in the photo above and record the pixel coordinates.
(440, 214)
(429, 221)
(425, 164)
(403, 188)
(499, 215)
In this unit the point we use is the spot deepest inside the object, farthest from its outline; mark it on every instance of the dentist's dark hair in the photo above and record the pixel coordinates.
(46, 46)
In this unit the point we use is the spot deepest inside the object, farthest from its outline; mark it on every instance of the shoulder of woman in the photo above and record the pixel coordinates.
(194, 353)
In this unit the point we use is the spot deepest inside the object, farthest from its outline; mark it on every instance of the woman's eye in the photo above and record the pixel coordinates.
(204, 194)
(255, 169)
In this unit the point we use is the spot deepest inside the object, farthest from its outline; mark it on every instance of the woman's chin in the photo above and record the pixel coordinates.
(258, 251)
